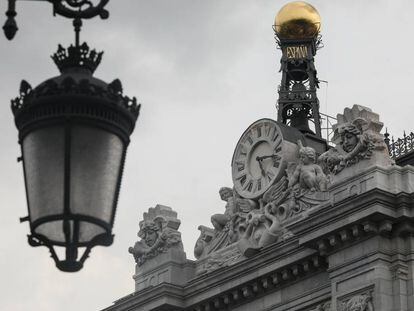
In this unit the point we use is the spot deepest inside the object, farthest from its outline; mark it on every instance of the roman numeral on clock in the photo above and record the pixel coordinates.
(267, 129)
(248, 186)
(242, 179)
(275, 135)
(277, 147)
(259, 130)
(240, 166)
(243, 150)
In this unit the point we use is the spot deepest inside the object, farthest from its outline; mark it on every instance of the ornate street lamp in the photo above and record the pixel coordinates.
(74, 130)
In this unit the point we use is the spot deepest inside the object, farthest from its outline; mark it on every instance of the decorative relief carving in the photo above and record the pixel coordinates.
(361, 302)
(228, 227)
(158, 233)
(307, 175)
(260, 221)
(305, 187)
(263, 228)
(254, 224)
(323, 307)
(152, 280)
(206, 235)
(224, 258)
(357, 137)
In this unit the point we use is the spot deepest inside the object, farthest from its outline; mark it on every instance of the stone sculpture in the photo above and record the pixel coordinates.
(235, 212)
(263, 228)
(358, 303)
(357, 138)
(308, 175)
(254, 225)
(206, 235)
(304, 187)
(228, 227)
(158, 233)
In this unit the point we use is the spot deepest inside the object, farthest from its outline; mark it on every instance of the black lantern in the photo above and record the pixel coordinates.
(74, 131)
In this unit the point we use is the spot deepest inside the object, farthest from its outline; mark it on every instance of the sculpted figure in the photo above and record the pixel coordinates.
(357, 137)
(308, 174)
(219, 221)
(149, 233)
(158, 233)
(351, 138)
(206, 235)
(235, 213)
(228, 227)
(353, 145)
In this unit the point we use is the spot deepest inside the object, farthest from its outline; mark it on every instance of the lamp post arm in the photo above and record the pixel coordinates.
(76, 9)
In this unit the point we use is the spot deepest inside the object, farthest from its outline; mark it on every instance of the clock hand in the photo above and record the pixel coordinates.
(266, 156)
(258, 159)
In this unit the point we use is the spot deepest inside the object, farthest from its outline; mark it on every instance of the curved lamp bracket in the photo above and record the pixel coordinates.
(80, 8)
(76, 9)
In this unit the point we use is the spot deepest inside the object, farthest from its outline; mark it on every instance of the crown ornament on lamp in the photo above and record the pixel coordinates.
(79, 57)
(77, 65)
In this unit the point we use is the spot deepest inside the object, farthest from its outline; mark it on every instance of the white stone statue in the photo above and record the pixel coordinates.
(307, 174)
(358, 143)
(158, 232)
(228, 227)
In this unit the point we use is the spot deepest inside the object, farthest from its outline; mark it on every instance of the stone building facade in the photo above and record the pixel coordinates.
(308, 225)
(333, 231)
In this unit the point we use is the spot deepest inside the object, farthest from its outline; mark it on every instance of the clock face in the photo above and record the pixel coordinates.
(257, 160)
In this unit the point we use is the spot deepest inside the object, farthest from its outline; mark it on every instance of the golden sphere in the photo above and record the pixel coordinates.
(297, 20)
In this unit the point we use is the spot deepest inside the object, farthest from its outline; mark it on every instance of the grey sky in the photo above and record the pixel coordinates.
(204, 71)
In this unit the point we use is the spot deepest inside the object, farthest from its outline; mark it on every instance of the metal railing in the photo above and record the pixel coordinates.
(400, 146)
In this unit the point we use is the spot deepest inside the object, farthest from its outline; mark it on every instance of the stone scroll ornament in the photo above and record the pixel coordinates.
(158, 233)
(357, 140)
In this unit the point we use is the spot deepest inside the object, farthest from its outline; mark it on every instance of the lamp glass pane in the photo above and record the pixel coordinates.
(43, 155)
(96, 156)
(87, 231)
(52, 230)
